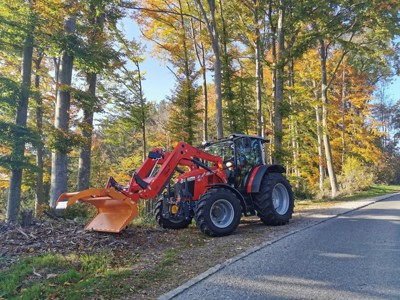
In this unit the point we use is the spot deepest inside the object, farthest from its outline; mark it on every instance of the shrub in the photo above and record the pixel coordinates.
(302, 188)
(356, 176)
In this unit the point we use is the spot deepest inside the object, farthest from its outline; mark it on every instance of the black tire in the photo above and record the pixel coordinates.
(218, 212)
(165, 220)
(274, 187)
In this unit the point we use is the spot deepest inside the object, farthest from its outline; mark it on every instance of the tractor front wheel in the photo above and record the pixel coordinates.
(218, 212)
(168, 216)
(275, 201)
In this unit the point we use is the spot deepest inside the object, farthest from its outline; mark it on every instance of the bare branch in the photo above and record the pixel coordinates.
(130, 5)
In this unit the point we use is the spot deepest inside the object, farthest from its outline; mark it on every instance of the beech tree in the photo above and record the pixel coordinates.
(18, 145)
(59, 159)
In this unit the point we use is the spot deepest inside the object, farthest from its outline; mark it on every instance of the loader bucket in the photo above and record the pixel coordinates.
(114, 210)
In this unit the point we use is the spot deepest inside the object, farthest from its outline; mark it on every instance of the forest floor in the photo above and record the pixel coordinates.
(57, 259)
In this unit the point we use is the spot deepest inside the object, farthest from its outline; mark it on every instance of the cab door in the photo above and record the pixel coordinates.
(248, 154)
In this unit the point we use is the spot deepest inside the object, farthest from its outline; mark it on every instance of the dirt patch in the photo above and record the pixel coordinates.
(143, 248)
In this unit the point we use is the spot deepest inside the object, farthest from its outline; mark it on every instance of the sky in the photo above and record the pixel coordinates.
(159, 81)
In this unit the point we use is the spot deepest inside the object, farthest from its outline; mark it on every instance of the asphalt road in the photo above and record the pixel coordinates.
(354, 256)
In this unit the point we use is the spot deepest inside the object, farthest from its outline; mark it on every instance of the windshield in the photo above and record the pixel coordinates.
(223, 149)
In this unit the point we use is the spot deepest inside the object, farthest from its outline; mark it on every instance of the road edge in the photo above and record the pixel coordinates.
(175, 292)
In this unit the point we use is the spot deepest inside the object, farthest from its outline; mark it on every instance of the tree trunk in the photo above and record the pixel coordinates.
(325, 136)
(205, 93)
(259, 72)
(228, 95)
(14, 196)
(213, 32)
(319, 139)
(320, 150)
(59, 158)
(87, 130)
(40, 199)
(201, 59)
(293, 125)
(279, 85)
(143, 112)
(84, 169)
(343, 96)
(271, 104)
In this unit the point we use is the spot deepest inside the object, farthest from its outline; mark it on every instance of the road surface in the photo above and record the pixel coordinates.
(353, 256)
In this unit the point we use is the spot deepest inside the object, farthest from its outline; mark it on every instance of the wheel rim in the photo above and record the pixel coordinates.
(280, 198)
(172, 217)
(221, 213)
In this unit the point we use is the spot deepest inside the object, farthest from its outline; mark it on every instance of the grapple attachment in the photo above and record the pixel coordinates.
(114, 210)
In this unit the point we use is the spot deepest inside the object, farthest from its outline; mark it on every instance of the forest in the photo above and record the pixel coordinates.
(309, 75)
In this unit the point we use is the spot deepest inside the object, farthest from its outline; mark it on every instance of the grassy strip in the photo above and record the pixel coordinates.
(54, 276)
(373, 191)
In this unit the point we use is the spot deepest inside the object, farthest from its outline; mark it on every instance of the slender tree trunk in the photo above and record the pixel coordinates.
(205, 94)
(14, 196)
(293, 124)
(87, 130)
(271, 104)
(279, 84)
(40, 199)
(201, 59)
(228, 95)
(143, 111)
(56, 62)
(259, 71)
(214, 36)
(320, 149)
(325, 135)
(343, 96)
(189, 90)
(59, 158)
(319, 139)
(84, 169)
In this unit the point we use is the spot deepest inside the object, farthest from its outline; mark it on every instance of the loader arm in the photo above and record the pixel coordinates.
(117, 204)
(183, 154)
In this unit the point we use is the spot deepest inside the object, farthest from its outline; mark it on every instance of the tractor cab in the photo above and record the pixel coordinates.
(240, 153)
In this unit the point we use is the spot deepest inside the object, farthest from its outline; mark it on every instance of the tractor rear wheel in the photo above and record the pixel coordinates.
(275, 201)
(167, 215)
(218, 212)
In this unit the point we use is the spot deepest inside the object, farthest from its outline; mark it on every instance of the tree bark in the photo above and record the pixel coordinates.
(205, 94)
(214, 37)
(319, 140)
(14, 196)
(84, 169)
(343, 98)
(279, 84)
(201, 59)
(259, 72)
(40, 199)
(59, 158)
(227, 94)
(143, 111)
(325, 135)
(87, 130)
(293, 125)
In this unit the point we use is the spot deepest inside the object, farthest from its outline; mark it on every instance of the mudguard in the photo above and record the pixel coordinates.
(257, 174)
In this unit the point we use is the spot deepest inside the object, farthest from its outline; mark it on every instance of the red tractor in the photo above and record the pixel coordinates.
(215, 186)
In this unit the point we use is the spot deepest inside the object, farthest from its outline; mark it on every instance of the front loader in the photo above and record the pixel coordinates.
(215, 185)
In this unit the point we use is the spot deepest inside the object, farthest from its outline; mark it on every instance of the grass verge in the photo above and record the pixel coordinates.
(54, 276)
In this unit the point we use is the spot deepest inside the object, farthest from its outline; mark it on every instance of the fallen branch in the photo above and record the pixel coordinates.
(23, 233)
